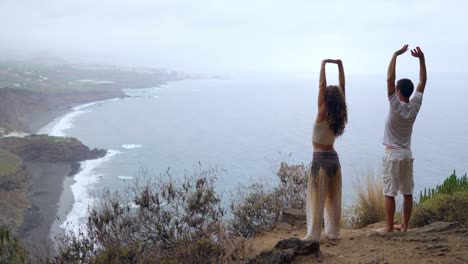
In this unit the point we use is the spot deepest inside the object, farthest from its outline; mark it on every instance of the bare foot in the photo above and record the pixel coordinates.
(333, 237)
(308, 238)
(400, 228)
(383, 230)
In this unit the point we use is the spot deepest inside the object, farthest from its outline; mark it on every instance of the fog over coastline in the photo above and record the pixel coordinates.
(235, 36)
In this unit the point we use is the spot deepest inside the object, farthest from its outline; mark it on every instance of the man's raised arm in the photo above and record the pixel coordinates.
(391, 73)
(417, 52)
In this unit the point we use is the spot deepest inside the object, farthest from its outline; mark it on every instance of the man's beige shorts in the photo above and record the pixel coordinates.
(398, 172)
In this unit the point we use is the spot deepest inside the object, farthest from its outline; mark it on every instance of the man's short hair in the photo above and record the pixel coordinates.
(406, 87)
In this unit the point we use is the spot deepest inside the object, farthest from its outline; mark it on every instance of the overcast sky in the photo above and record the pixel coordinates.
(215, 36)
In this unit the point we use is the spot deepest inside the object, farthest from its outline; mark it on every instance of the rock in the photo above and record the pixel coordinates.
(299, 246)
(273, 257)
(438, 227)
(293, 216)
(283, 225)
(285, 250)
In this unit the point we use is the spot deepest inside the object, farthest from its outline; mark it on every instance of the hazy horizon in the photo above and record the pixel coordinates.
(215, 37)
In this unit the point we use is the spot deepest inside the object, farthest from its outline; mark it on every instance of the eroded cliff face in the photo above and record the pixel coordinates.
(51, 155)
(49, 149)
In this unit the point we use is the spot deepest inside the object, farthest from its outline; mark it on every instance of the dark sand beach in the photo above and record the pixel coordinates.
(45, 191)
(48, 190)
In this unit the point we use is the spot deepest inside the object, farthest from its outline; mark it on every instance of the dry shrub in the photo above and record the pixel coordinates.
(258, 207)
(369, 205)
(166, 221)
(293, 184)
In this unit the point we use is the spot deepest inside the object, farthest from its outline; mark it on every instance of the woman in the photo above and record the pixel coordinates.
(324, 185)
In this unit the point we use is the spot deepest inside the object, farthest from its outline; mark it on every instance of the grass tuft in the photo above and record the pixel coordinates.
(369, 205)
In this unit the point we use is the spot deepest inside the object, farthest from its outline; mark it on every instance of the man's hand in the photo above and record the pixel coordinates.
(417, 53)
(402, 50)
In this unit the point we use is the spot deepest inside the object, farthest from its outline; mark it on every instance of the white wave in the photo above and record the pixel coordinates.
(133, 205)
(103, 82)
(83, 200)
(131, 146)
(95, 103)
(125, 177)
(16, 134)
(143, 92)
(65, 123)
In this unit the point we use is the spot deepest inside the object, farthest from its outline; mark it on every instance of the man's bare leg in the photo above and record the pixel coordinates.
(389, 215)
(407, 209)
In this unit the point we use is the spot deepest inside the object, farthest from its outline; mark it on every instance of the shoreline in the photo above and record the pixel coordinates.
(49, 190)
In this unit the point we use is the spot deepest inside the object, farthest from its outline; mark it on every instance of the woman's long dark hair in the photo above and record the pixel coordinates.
(337, 114)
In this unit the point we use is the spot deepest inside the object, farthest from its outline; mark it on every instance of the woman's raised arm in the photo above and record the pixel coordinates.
(341, 76)
(322, 104)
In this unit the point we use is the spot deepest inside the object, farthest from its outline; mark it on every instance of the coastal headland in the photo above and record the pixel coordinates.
(34, 169)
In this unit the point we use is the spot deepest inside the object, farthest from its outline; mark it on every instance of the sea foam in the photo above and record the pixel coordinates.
(143, 92)
(125, 177)
(65, 122)
(131, 146)
(81, 189)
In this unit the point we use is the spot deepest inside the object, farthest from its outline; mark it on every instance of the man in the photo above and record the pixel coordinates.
(398, 158)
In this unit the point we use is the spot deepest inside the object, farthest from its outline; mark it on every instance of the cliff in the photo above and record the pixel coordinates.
(32, 161)
(439, 242)
(49, 149)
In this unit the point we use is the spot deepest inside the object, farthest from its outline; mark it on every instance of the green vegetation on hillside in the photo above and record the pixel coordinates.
(11, 251)
(451, 185)
(445, 202)
(8, 162)
(54, 139)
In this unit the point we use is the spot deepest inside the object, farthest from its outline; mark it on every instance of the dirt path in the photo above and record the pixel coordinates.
(436, 243)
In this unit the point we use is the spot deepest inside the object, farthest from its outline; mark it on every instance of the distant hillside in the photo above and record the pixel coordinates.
(52, 76)
(29, 110)
(33, 93)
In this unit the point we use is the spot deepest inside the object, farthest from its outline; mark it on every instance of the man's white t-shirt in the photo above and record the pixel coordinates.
(400, 120)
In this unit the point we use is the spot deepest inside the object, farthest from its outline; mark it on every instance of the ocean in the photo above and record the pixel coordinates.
(246, 126)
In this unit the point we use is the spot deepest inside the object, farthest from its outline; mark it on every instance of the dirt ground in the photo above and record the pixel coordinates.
(436, 243)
